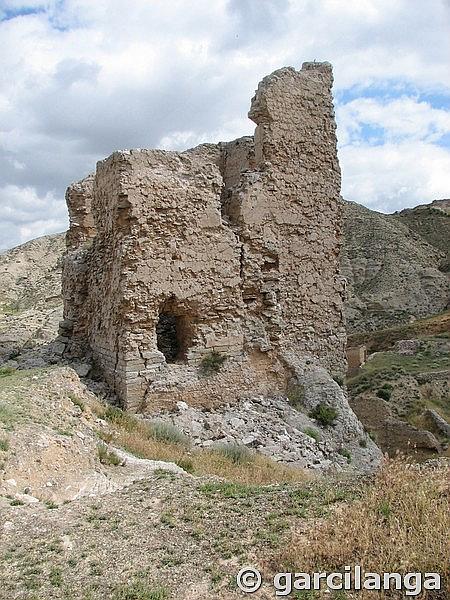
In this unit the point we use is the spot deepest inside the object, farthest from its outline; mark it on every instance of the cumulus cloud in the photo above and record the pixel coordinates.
(390, 177)
(25, 214)
(79, 79)
(394, 120)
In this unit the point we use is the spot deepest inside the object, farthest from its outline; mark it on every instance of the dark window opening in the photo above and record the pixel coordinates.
(174, 331)
(167, 334)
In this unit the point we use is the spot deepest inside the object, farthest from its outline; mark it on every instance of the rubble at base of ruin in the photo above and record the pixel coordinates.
(196, 276)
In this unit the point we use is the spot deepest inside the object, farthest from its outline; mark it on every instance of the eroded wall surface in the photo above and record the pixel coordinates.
(232, 248)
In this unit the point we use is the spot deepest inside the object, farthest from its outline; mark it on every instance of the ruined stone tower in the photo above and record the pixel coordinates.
(177, 258)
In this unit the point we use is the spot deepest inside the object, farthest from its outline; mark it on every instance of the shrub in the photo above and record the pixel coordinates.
(77, 401)
(363, 443)
(211, 363)
(339, 379)
(5, 371)
(107, 457)
(166, 432)
(313, 433)
(55, 577)
(16, 502)
(344, 452)
(324, 414)
(236, 453)
(4, 445)
(384, 393)
(118, 417)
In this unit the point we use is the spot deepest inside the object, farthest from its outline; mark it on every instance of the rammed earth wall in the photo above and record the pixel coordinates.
(230, 249)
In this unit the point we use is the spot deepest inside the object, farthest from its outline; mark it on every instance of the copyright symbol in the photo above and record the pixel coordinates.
(249, 580)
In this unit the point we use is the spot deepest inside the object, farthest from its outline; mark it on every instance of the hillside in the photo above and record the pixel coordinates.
(395, 265)
(30, 293)
(96, 504)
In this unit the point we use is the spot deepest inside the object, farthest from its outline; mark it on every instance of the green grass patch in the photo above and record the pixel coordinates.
(107, 457)
(230, 490)
(7, 371)
(312, 433)
(140, 591)
(77, 401)
(236, 453)
(346, 454)
(166, 432)
(296, 394)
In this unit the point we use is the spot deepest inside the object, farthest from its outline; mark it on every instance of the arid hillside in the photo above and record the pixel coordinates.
(30, 293)
(396, 265)
(96, 504)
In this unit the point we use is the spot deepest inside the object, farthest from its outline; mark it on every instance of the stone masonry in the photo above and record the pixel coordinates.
(175, 258)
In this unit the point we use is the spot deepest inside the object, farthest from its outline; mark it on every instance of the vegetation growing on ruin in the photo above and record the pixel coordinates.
(211, 363)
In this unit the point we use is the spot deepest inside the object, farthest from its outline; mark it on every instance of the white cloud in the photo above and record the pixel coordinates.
(390, 177)
(25, 215)
(85, 77)
(399, 118)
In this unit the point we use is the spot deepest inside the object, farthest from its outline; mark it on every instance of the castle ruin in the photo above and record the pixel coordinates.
(192, 275)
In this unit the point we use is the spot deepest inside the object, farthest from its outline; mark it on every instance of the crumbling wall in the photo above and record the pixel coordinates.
(230, 248)
(289, 214)
(76, 268)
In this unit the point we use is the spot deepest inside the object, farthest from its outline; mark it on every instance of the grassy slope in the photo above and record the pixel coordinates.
(384, 339)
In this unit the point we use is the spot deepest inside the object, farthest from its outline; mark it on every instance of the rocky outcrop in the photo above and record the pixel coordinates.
(392, 434)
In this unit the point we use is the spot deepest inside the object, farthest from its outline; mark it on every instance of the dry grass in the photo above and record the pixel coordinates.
(400, 524)
(138, 438)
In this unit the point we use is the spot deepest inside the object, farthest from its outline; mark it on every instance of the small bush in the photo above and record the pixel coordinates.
(55, 577)
(346, 454)
(229, 490)
(4, 445)
(107, 457)
(363, 443)
(122, 419)
(324, 414)
(211, 363)
(313, 433)
(372, 435)
(166, 432)
(16, 502)
(237, 453)
(384, 393)
(6, 371)
(339, 379)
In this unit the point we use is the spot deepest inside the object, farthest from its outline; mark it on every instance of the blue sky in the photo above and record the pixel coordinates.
(81, 78)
